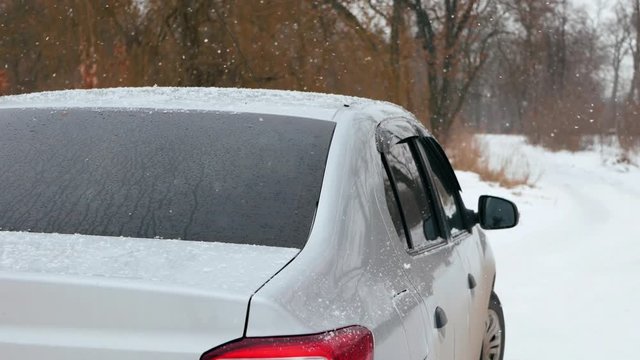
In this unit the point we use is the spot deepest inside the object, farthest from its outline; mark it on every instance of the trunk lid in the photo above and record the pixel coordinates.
(72, 297)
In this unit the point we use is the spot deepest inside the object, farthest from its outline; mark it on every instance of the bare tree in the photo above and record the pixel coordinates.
(448, 29)
(634, 91)
(618, 36)
(525, 66)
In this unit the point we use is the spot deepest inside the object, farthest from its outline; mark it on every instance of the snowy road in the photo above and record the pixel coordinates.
(569, 275)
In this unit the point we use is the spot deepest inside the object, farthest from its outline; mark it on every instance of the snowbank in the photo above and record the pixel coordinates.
(568, 274)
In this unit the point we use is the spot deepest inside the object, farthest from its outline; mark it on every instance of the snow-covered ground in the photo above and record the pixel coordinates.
(569, 274)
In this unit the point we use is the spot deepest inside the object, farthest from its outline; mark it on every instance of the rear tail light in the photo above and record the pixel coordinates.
(351, 343)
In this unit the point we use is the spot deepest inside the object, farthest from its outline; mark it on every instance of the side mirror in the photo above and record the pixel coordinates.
(497, 213)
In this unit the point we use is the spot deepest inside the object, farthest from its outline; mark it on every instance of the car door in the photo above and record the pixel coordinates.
(406, 300)
(469, 245)
(431, 262)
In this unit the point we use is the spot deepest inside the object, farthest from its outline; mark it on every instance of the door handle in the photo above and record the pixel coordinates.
(441, 318)
(472, 282)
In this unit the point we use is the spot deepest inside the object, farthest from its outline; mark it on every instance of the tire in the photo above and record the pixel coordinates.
(493, 339)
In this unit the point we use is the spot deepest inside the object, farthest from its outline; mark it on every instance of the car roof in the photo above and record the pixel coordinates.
(275, 102)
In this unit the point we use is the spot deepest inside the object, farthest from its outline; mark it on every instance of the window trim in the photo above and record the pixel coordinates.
(396, 197)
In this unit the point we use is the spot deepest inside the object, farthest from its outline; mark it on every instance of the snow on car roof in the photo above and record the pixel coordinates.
(277, 102)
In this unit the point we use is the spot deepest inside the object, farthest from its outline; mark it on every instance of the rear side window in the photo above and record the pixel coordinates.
(239, 178)
(415, 201)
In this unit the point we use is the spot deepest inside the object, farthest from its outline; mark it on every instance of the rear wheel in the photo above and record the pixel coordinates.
(493, 342)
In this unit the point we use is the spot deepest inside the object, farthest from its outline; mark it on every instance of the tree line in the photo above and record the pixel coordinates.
(542, 68)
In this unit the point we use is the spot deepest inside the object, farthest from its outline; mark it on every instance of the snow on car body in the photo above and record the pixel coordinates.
(335, 253)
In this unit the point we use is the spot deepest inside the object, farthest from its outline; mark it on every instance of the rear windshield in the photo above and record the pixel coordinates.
(204, 176)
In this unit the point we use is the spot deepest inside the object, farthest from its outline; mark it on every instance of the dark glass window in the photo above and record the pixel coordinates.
(415, 201)
(392, 206)
(445, 191)
(205, 176)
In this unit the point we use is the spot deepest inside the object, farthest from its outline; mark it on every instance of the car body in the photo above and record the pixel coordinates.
(308, 238)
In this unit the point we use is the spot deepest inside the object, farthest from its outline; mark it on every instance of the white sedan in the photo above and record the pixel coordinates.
(185, 224)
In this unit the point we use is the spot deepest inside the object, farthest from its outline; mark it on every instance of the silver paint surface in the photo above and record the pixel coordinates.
(354, 270)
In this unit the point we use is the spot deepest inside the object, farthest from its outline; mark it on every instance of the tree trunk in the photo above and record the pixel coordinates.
(397, 24)
(635, 83)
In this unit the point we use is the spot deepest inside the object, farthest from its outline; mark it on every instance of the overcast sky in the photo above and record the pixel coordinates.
(588, 3)
(592, 5)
